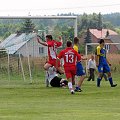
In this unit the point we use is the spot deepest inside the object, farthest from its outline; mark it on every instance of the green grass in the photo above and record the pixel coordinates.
(24, 101)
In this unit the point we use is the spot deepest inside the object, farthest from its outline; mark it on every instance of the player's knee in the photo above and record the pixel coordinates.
(45, 68)
(109, 74)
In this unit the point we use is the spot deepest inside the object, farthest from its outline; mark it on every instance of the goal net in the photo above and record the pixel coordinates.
(13, 68)
(23, 58)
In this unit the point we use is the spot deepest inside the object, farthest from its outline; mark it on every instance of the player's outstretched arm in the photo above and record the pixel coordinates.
(83, 58)
(40, 41)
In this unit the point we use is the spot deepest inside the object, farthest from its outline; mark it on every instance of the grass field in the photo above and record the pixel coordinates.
(24, 101)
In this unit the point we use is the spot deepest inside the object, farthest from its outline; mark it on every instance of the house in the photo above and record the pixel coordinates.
(24, 44)
(103, 33)
(109, 36)
(113, 39)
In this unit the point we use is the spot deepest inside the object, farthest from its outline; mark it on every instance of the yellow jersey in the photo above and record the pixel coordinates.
(75, 47)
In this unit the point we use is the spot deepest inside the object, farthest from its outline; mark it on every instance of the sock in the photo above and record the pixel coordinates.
(70, 85)
(77, 88)
(98, 82)
(110, 80)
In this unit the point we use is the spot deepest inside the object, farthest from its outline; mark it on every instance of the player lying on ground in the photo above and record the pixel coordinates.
(53, 78)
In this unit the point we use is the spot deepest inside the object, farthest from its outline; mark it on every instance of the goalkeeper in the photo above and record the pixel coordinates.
(53, 78)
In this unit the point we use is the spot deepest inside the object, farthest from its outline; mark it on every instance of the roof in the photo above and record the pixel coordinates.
(115, 39)
(102, 33)
(14, 42)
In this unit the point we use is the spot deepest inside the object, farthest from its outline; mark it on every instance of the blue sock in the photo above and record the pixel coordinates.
(110, 80)
(77, 87)
(98, 82)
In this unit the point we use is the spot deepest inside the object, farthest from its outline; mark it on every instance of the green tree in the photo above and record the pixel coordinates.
(71, 33)
(28, 26)
(99, 21)
(88, 40)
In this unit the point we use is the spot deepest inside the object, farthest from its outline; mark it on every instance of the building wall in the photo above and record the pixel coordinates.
(32, 48)
(112, 48)
(93, 39)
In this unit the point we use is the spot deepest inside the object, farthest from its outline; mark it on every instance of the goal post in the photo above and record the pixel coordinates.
(29, 67)
(113, 51)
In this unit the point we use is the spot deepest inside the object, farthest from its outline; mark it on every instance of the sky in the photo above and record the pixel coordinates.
(54, 7)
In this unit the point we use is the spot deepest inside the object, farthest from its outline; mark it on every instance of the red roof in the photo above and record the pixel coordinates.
(102, 33)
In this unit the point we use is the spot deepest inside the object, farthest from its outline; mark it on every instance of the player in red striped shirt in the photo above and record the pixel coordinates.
(70, 57)
(52, 48)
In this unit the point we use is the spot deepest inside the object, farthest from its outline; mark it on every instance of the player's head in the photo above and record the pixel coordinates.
(92, 57)
(101, 42)
(69, 43)
(49, 37)
(76, 40)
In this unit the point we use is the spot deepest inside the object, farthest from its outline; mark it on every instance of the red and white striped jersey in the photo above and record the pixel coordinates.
(52, 48)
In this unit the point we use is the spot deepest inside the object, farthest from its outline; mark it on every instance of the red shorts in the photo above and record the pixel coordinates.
(53, 63)
(70, 71)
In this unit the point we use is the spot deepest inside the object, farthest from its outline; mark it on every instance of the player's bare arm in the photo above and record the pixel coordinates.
(41, 42)
(60, 38)
(97, 60)
(57, 60)
(108, 62)
(83, 58)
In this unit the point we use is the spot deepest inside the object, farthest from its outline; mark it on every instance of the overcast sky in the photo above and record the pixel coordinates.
(53, 7)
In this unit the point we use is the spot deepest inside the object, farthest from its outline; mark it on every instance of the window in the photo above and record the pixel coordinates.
(41, 50)
(107, 47)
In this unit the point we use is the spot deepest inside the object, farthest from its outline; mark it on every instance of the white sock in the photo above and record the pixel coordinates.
(70, 85)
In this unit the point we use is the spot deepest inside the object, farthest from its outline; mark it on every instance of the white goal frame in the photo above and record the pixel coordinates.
(40, 17)
(45, 17)
(92, 44)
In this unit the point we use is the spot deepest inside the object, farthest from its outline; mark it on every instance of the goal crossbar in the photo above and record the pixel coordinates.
(97, 44)
(45, 17)
(105, 44)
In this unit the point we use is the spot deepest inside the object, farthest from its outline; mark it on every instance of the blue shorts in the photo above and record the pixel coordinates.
(103, 68)
(79, 69)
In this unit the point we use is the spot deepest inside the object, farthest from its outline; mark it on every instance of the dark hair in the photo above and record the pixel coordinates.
(64, 83)
(49, 36)
(76, 40)
(101, 41)
(69, 43)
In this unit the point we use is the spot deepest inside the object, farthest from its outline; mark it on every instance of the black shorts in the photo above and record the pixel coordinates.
(55, 82)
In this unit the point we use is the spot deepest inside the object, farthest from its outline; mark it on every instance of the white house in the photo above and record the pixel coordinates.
(24, 44)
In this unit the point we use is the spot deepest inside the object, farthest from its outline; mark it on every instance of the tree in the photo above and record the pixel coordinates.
(99, 21)
(88, 39)
(28, 26)
(71, 33)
